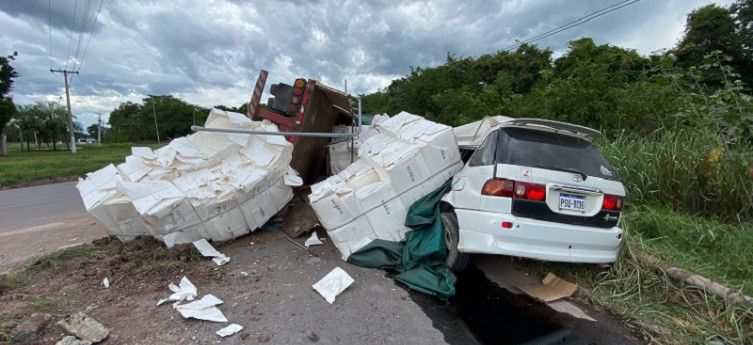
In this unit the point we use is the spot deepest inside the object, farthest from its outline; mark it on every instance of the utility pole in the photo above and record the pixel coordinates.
(99, 129)
(68, 100)
(154, 112)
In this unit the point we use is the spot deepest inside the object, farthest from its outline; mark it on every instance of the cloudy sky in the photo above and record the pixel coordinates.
(210, 52)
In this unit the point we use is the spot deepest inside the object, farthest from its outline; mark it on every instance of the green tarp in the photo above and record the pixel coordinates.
(420, 259)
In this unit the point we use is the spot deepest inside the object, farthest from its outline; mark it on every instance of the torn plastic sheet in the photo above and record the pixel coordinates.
(184, 291)
(313, 240)
(229, 330)
(333, 284)
(209, 185)
(207, 250)
(203, 309)
(404, 158)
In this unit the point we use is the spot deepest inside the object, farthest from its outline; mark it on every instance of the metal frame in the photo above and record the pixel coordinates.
(288, 134)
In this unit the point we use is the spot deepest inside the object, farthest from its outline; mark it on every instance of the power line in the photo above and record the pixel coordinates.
(579, 21)
(82, 31)
(94, 24)
(70, 36)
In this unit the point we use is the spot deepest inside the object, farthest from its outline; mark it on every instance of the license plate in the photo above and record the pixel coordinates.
(572, 202)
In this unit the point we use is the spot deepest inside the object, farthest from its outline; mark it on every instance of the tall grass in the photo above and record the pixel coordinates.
(688, 170)
(719, 251)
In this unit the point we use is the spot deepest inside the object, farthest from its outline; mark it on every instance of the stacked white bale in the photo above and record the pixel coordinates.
(405, 158)
(206, 185)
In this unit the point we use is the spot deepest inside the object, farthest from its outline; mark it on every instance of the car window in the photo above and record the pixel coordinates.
(484, 155)
(535, 148)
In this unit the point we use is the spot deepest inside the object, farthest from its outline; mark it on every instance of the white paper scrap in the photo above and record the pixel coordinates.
(207, 250)
(185, 291)
(333, 284)
(106, 283)
(313, 240)
(203, 309)
(229, 330)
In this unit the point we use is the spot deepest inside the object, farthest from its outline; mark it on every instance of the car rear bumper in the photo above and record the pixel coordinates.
(481, 232)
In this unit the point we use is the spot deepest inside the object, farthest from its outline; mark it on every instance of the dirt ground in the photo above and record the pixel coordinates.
(266, 287)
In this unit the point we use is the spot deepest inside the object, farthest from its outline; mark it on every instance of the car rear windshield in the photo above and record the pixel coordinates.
(535, 148)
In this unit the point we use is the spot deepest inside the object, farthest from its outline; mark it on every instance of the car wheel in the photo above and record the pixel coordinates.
(456, 260)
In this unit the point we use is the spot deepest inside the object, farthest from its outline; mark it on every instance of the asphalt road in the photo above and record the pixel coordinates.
(42, 219)
(33, 206)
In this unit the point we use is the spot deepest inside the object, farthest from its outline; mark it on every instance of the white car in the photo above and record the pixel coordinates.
(536, 189)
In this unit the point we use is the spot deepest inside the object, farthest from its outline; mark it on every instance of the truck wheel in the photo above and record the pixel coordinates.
(456, 260)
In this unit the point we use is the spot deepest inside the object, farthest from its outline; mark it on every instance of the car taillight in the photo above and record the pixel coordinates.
(530, 191)
(612, 203)
(498, 187)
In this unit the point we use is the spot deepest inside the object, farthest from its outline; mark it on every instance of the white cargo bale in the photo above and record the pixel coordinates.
(206, 185)
(404, 158)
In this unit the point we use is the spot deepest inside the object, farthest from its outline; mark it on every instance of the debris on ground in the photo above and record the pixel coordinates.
(205, 185)
(333, 284)
(405, 158)
(203, 309)
(84, 327)
(207, 250)
(551, 288)
(106, 283)
(571, 309)
(313, 240)
(184, 291)
(229, 330)
(71, 340)
(30, 327)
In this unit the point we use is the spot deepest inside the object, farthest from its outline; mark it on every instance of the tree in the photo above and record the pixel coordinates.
(92, 130)
(742, 12)
(124, 122)
(30, 119)
(7, 108)
(55, 123)
(708, 29)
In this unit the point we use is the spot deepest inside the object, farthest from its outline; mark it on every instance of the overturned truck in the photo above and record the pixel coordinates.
(238, 170)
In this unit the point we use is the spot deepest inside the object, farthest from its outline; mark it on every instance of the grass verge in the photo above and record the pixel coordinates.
(21, 167)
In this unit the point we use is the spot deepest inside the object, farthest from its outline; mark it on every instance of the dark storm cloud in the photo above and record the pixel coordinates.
(59, 13)
(210, 52)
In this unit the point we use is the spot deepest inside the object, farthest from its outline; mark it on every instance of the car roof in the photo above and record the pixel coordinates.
(554, 127)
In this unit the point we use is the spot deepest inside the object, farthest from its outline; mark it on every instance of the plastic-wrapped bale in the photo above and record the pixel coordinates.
(405, 158)
(206, 185)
